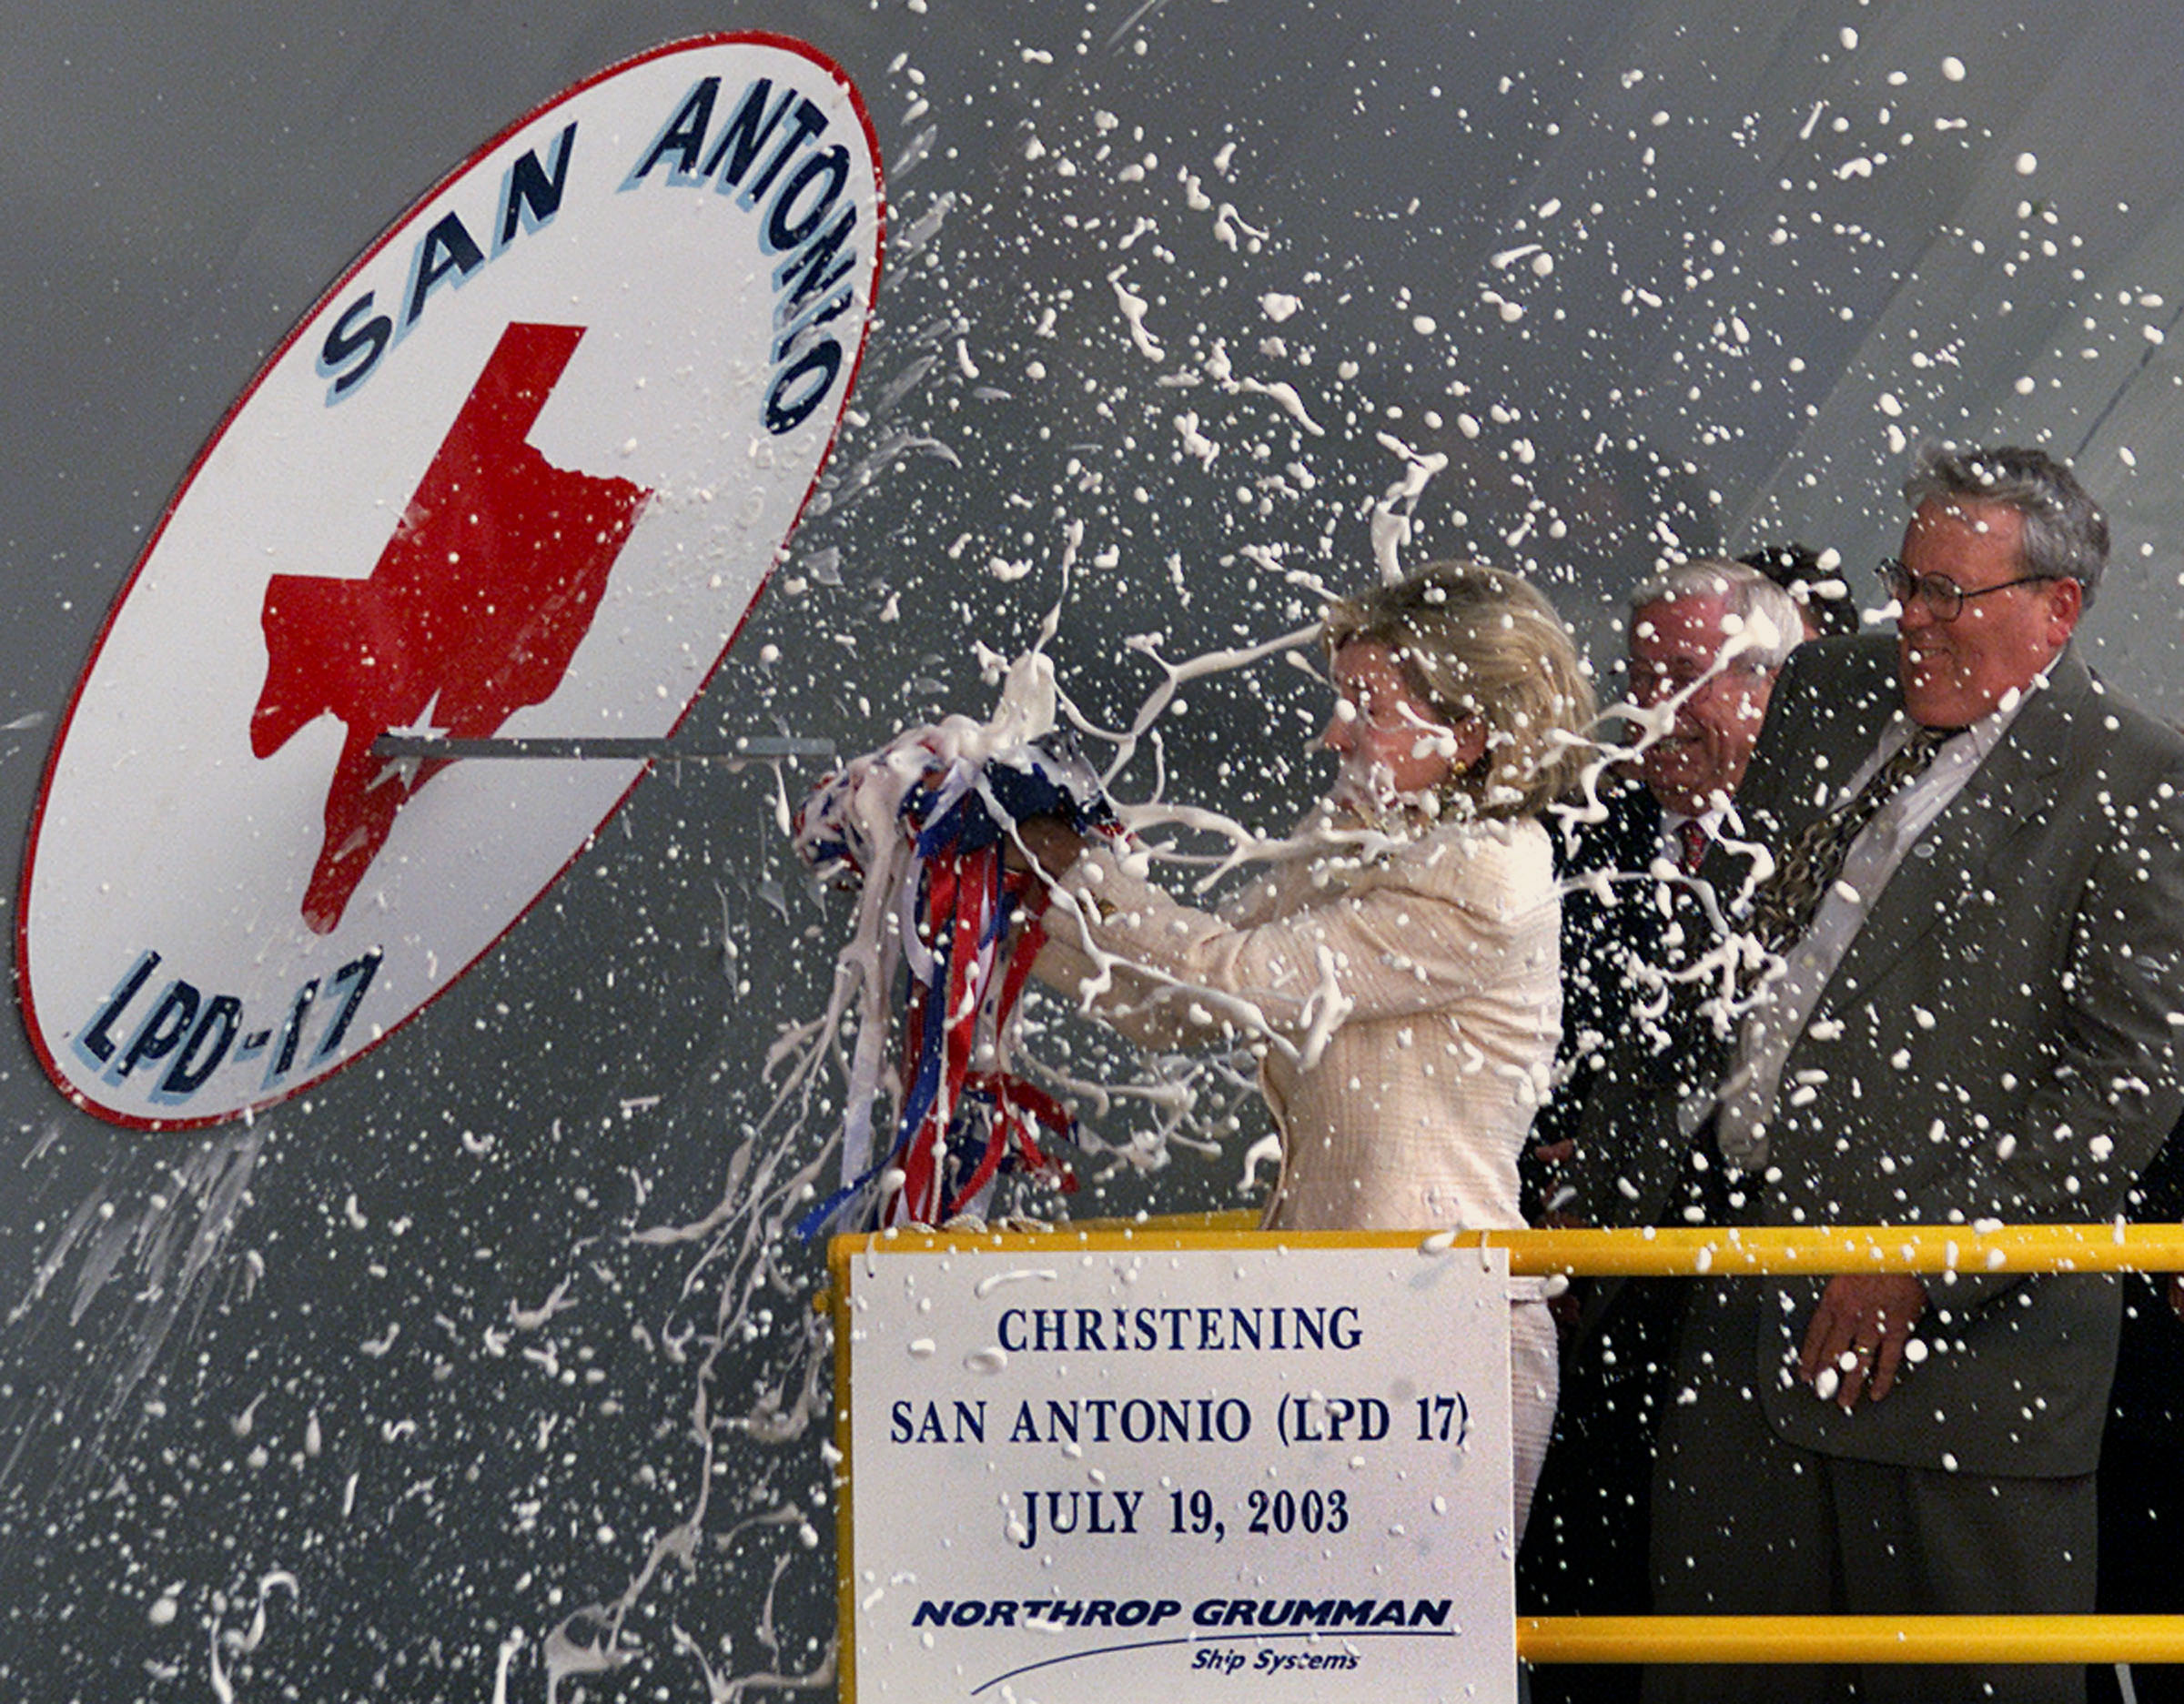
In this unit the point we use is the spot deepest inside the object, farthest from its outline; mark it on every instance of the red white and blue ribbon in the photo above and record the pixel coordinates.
(920, 828)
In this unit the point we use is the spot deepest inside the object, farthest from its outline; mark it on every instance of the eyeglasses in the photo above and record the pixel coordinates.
(1943, 598)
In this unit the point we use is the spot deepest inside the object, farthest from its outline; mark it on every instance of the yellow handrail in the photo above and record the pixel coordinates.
(1927, 1249)
(1693, 1251)
(1851, 1638)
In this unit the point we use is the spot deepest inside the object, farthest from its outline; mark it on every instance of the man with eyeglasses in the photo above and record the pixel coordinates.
(1969, 951)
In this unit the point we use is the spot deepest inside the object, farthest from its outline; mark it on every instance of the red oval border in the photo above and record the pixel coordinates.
(764, 38)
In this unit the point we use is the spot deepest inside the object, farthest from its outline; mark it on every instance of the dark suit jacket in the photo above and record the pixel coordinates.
(1619, 1103)
(1606, 924)
(1621, 929)
(1999, 1041)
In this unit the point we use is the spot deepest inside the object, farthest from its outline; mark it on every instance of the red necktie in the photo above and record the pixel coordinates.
(1693, 834)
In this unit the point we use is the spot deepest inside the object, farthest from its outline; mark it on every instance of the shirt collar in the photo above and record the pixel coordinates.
(1982, 736)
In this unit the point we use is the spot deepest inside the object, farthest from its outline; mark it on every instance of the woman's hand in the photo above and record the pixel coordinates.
(1053, 844)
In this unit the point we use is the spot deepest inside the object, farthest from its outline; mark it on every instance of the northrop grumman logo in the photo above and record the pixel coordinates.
(523, 470)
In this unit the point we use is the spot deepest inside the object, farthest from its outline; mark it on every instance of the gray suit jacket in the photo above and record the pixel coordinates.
(2001, 1041)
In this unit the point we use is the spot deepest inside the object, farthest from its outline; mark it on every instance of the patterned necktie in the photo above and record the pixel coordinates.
(1693, 834)
(1784, 905)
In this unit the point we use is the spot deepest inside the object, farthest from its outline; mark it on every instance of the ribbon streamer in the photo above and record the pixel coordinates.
(920, 827)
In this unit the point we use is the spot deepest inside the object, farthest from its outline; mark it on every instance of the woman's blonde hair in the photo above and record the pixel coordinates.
(1474, 641)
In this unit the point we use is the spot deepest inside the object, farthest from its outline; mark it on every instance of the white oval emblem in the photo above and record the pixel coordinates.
(522, 472)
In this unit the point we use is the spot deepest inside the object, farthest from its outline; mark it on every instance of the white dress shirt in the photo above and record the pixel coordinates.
(1786, 998)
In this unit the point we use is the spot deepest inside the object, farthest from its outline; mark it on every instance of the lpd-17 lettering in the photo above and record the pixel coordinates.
(1316, 1420)
(176, 1037)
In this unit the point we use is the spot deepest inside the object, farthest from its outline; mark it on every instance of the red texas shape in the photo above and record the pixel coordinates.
(479, 600)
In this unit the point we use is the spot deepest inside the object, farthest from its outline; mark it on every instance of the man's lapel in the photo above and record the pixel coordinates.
(1850, 702)
(2012, 787)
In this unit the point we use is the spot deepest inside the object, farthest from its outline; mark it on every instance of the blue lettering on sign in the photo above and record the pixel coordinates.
(184, 1037)
(160, 1033)
(94, 1043)
(805, 282)
(764, 155)
(749, 159)
(907, 1425)
(785, 228)
(201, 1054)
(756, 116)
(804, 123)
(681, 136)
(531, 196)
(354, 336)
(355, 977)
(447, 252)
(291, 1033)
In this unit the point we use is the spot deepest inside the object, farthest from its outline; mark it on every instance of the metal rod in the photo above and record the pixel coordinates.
(663, 750)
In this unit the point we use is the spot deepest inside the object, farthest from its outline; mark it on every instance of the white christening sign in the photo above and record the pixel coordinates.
(1092, 1465)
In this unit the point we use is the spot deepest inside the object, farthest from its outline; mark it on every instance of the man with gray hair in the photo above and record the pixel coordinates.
(1974, 939)
(1705, 641)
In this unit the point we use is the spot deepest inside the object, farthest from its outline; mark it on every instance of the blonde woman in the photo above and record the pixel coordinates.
(1401, 971)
